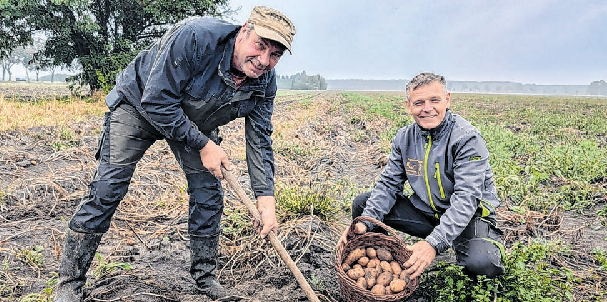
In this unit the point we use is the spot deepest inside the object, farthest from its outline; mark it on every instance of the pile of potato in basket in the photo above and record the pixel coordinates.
(376, 270)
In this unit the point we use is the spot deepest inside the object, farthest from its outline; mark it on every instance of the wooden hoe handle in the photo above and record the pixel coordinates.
(227, 175)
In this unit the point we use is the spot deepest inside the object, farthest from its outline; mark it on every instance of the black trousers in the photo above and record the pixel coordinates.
(125, 138)
(478, 248)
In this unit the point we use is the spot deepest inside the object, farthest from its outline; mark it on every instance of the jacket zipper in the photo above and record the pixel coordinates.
(428, 147)
(440, 183)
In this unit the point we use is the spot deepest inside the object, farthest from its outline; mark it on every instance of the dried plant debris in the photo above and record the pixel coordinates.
(323, 147)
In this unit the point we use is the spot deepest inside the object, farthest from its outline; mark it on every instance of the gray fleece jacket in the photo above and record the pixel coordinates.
(448, 170)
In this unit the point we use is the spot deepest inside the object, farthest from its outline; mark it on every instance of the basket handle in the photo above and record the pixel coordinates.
(358, 219)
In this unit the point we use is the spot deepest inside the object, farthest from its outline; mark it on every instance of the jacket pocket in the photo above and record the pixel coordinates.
(245, 108)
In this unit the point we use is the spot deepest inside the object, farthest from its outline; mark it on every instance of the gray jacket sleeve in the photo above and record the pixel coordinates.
(390, 183)
(258, 132)
(177, 61)
(471, 162)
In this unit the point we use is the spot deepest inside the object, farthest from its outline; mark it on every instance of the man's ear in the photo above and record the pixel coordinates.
(241, 33)
(448, 99)
(243, 29)
(408, 105)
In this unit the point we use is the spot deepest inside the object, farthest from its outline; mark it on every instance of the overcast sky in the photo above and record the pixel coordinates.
(527, 41)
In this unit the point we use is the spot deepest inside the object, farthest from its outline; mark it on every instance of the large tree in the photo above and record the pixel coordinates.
(101, 36)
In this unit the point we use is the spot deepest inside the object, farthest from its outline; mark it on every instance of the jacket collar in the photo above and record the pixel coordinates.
(439, 131)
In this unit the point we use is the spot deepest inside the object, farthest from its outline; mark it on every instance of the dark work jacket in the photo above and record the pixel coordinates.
(182, 85)
(448, 170)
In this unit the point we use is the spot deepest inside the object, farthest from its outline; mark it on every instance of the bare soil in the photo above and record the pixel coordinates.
(41, 187)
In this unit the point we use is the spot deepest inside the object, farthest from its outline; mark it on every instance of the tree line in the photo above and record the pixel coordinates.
(97, 38)
(595, 88)
(26, 57)
(301, 81)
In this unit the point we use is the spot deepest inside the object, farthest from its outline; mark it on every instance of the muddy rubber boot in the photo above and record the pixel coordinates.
(78, 254)
(203, 259)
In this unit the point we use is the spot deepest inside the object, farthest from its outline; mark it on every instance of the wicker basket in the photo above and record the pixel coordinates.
(350, 291)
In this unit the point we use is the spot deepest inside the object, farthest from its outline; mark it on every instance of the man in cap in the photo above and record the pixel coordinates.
(202, 74)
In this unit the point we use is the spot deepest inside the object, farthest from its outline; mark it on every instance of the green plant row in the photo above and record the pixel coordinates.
(531, 276)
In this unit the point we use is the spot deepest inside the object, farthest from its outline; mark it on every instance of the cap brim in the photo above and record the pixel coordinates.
(272, 35)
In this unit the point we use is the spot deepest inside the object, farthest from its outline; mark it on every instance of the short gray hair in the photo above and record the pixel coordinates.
(425, 78)
(250, 27)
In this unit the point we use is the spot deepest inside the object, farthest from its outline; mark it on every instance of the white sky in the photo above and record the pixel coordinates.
(527, 41)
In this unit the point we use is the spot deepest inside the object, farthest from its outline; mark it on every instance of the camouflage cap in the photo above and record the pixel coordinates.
(272, 24)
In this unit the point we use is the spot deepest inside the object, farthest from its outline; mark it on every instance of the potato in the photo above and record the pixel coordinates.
(371, 253)
(397, 285)
(404, 276)
(395, 267)
(389, 291)
(356, 273)
(385, 267)
(357, 266)
(379, 289)
(373, 262)
(369, 271)
(370, 280)
(379, 271)
(384, 279)
(362, 282)
(363, 261)
(384, 255)
(354, 256)
(345, 267)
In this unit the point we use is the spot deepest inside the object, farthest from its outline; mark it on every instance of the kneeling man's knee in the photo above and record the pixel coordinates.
(481, 256)
(359, 203)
